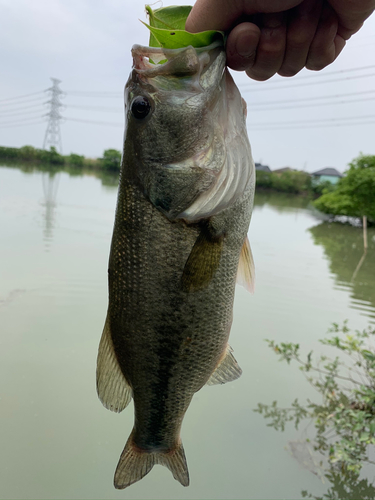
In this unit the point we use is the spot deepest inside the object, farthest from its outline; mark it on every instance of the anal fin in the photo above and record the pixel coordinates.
(227, 370)
(246, 268)
(113, 390)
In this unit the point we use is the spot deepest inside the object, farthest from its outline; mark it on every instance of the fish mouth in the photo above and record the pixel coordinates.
(150, 62)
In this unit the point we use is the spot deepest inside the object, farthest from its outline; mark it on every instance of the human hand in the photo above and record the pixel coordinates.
(281, 36)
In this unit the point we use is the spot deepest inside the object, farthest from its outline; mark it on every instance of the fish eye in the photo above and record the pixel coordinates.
(140, 107)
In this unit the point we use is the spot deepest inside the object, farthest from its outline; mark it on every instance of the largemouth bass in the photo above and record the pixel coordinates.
(180, 239)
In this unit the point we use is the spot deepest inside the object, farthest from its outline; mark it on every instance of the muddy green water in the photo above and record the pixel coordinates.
(58, 441)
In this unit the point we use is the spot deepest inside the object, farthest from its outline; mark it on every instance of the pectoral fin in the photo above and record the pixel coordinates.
(113, 390)
(246, 268)
(202, 262)
(226, 371)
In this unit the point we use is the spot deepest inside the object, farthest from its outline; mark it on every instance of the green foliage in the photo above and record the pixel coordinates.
(8, 153)
(111, 159)
(288, 182)
(264, 179)
(320, 188)
(355, 193)
(167, 27)
(52, 157)
(345, 419)
(75, 160)
(28, 153)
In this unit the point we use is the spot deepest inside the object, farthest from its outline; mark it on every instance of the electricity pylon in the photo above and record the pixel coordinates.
(53, 134)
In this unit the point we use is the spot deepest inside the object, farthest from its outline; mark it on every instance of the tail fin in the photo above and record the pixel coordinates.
(135, 464)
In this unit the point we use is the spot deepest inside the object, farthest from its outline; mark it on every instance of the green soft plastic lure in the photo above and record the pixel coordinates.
(167, 27)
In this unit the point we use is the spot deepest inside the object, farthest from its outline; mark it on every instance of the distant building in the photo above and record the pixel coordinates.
(263, 168)
(329, 174)
(280, 171)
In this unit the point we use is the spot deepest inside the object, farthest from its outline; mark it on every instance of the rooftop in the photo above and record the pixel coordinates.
(328, 171)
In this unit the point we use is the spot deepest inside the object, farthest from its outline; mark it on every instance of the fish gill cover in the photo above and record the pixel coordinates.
(167, 27)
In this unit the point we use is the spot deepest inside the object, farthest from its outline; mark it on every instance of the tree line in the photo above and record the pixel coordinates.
(109, 161)
(353, 195)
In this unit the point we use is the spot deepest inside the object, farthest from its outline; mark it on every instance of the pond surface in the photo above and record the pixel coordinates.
(58, 441)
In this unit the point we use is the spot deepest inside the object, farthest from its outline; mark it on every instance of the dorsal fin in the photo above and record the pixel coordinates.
(246, 268)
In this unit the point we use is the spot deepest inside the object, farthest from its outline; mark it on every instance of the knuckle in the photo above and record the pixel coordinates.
(319, 59)
(259, 76)
(298, 40)
(272, 49)
(288, 71)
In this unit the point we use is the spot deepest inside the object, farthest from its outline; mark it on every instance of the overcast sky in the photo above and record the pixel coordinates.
(308, 122)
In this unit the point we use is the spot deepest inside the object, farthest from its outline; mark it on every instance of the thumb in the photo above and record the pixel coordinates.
(224, 14)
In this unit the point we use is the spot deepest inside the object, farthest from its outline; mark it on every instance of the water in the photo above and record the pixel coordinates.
(58, 441)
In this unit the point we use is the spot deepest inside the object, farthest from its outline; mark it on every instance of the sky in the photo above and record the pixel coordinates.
(310, 121)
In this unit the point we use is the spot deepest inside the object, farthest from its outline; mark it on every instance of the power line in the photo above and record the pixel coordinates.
(18, 103)
(322, 75)
(111, 124)
(22, 113)
(83, 93)
(21, 96)
(95, 108)
(330, 96)
(11, 111)
(22, 124)
(18, 120)
(344, 118)
(311, 105)
(283, 127)
(317, 82)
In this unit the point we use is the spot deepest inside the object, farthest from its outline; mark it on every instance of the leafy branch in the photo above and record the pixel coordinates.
(345, 420)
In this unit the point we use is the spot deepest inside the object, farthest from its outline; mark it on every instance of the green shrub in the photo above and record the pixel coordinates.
(355, 193)
(52, 156)
(344, 418)
(28, 153)
(111, 159)
(8, 153)
(264, 179)
(290, 181)
(75, 160)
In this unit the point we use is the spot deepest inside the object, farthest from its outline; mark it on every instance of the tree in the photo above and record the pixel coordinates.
(287, 182)
(28, 153)
(52, 156)
(355, 193)
(76, 160)
(111, 159)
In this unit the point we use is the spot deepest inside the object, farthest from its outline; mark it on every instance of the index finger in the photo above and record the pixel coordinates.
(222, 15)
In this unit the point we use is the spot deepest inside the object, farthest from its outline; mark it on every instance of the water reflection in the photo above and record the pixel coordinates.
(341, 485)
(344, 488)
(50, 182)
(343, 247)
(283, 202)
(108, 179)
